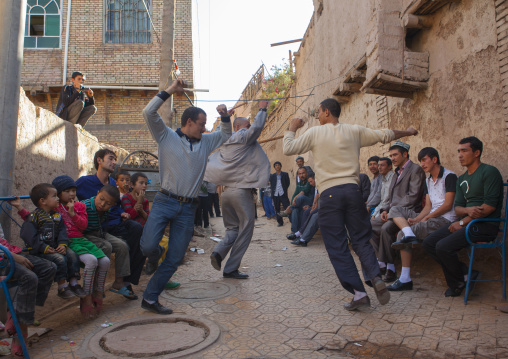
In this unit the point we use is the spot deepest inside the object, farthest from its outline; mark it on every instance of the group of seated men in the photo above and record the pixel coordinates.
(410, 205)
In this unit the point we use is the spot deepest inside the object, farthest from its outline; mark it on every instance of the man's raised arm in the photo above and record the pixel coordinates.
(154, 121)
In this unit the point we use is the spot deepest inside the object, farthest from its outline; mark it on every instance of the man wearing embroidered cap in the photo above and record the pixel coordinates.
(336, 149)
(405, 194)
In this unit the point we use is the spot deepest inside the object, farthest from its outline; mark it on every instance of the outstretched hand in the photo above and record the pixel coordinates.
(296, 123)
(223, 111)
(263, 104)
(177, 86)
(412, 131)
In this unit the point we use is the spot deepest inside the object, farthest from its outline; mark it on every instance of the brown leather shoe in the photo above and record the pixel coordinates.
(390, 276)
(382, 294)
(363, 303)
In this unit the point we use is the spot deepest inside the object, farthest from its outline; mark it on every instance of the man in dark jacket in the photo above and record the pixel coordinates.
(365, 186)
(76, 103)
(280, 184)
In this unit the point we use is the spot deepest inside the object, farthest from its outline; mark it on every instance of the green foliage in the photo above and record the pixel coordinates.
(278, 82)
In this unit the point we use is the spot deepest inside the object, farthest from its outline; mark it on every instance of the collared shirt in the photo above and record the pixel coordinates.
(279, 191)
(375, 192)
(399, 171)
(385, 193)
(446, 182)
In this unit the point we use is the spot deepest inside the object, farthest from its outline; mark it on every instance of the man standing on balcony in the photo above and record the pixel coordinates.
(336, 148)
(183, 155)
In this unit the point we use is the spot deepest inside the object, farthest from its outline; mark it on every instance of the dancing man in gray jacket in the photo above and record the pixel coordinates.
(240, 165)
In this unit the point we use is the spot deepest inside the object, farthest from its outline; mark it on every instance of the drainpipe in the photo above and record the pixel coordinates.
(64, 75)
(12, 28)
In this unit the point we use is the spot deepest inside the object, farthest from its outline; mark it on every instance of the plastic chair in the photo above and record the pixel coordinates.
(496, 243)
(5, 287)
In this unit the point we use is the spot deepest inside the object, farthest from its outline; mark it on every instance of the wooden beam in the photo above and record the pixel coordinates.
(411, 21)
(358, 76)
(48, 96)
(271, 139)
(285, 42)
(342, 99)
(397, 80)
(350, 87)
(374, 91)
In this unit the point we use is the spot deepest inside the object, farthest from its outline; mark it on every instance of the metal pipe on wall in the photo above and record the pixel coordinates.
(66, 53)
(12, 28)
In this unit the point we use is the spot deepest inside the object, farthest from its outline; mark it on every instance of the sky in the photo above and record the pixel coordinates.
(231, 39)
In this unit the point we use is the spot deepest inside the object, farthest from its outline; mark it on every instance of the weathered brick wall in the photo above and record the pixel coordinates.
(118, 120)
(465, 90)
(502, 52)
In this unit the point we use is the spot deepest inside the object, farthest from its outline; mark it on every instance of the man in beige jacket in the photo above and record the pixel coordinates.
(336, 149)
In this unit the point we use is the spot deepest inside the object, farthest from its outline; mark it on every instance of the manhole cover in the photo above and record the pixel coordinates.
(198, 290)
(168, 337)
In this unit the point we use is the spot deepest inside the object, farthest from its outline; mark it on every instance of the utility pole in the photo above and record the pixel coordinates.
(11, 58)
(166, 57)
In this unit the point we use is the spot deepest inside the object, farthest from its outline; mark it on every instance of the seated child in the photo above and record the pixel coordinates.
(45, 236)
(34, 277)
(96, 263)
(97, 209)
(135, 202)
(123, 181)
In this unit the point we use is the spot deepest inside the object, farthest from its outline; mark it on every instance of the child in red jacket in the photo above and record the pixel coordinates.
(134, 202)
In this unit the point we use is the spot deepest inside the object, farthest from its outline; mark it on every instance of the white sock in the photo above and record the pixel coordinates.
(64, 285)
(302, 240)
(382, 264)
(408, 232)
(404, 275)
(359, 295)
(73, 281)
(149, 301)
(298, 234)
(391, 267)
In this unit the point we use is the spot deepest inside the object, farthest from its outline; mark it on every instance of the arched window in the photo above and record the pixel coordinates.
(127, 21)
(43, 24)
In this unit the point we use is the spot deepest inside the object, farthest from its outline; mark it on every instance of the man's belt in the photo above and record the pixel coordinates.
(179, 198)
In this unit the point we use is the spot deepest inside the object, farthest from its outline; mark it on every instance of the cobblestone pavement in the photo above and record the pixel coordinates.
(292, 307)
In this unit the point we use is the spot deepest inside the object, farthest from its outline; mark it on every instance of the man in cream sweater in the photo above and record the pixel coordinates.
(336, 150)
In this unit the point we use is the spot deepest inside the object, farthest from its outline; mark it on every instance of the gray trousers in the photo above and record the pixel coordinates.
(311, 228)
(79, 114)
(238, 217)
(385, 233)
(111, 244)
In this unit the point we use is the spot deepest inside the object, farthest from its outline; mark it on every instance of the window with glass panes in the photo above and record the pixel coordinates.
(127, 21)
(43, 24)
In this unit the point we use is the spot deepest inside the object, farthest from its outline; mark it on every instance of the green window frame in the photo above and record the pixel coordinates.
(43, 24)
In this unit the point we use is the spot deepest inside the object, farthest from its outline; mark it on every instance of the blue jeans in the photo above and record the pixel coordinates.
(267, 204)
(340, 207)
(297, 211)
(67, 266)
(181, 218)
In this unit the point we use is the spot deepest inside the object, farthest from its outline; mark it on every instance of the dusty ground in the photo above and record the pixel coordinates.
(295, 310)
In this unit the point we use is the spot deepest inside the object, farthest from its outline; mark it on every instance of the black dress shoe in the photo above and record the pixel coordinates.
(362, 303)
(235, 275)
(405, 242)
(216, 260)
(291, 236)
(455, 292)
(156, 307)
(383, 270)
(298, 242)
(399, 286)
(280, 224)
(390, 276)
